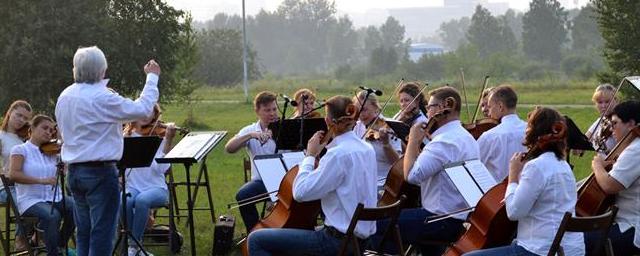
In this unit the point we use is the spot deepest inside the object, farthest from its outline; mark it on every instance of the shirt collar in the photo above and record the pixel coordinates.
(342, 138)
(510, 118)
(452, 125)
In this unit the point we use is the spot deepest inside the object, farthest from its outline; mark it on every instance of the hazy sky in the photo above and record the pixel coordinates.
(205, 9)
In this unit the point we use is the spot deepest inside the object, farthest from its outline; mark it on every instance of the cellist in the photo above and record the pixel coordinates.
(624, 181)
(498, 144)
(344, 177)
(541, 189)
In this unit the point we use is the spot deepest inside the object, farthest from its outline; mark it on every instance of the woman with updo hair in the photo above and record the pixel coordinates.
(306, 100)
(541, 189)
(414, 110)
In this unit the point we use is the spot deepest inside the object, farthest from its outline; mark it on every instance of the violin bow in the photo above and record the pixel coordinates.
(484, 86)
(464, 92)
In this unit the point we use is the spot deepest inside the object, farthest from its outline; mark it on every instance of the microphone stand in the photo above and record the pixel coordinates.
(302, 123)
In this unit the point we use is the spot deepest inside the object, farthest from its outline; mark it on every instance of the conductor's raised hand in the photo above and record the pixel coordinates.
(152, 67)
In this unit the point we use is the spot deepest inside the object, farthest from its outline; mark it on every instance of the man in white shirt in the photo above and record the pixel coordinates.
(449, 143)
(90, 118)
(257, 138)
(345, 177)
(501, 142)
(624, 181)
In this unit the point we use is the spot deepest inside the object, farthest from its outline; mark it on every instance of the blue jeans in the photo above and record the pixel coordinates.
(96, 191)
(413, 229)
(288, 241)
(249, 212)
(622, 243)
(138, 206)
(54, 237)
(509, 250)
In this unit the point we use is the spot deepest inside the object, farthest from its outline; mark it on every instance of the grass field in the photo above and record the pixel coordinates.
(225, 170)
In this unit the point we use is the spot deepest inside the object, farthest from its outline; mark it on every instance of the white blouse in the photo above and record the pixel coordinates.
(7, 141)
(37, 165)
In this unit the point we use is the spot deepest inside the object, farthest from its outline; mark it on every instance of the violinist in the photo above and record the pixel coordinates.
(343, 178)
(541, 189)
(306, 100)
(12, 133)
(600, 135)
(412, 111)
(257, 139)
(387, 149)
(449, 143)
(146, 185)
(624, 181)
(484, 102)
(34, 173)
(498, 144)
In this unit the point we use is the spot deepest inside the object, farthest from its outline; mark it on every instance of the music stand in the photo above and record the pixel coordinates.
(399, 128)
(138, 152)
(291, 128)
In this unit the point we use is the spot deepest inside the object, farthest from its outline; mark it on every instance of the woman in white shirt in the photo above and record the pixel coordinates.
(541, 189)
(414, 110)
(147, 185)
(34, 173)
(602, 97)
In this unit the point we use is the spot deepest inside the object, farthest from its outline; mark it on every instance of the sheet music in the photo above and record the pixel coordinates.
(481, 174)
(292, 159)
(465, 184)
(190, 145)
(272, 171)
(635, 81)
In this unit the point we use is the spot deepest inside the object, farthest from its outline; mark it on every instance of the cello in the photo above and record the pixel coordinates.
(592, 200)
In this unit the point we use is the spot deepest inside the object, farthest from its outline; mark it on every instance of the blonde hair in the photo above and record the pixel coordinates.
(372, 99)
(15, 105)
(604, 90)
(297, 96)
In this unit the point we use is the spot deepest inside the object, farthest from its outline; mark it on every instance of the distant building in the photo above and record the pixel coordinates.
(418, 49)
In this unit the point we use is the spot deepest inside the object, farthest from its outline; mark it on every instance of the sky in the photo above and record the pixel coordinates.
(202, 10)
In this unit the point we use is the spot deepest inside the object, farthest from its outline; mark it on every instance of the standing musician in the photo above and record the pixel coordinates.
(305, 99)
(34, 173)
(90, 119)
(601, 136)
(624, 181)
(13, 132)
(498, 144)
(449, 143)
(414, 113)
(343, 178)
(541, 189)
(147, 185)
(257, 138)
(484, 102)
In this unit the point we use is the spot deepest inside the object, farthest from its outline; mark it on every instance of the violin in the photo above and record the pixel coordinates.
(480, 126)
(373, 131)
(602, 135)
(52, 147)
(157, 128)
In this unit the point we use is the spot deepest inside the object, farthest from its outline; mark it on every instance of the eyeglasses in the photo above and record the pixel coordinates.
(433, 105)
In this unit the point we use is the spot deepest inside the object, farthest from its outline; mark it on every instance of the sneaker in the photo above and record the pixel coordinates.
(134, 251)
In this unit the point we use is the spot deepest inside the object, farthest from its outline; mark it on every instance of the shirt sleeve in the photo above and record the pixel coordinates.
(430, 161)
(626, 169)
(313, 184)
(115, 108)
(244, 131)
(18, 150)
(520, 197)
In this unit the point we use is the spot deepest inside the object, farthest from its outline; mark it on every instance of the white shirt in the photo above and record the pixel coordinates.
(345, 177)
(90, 119)
(7, 142)
(498, 144)
(382, 162)
(547, 189)
(450, 143)
(145, 178)
(255, 148)
(626, 170)
(37, 165)
(610, 142)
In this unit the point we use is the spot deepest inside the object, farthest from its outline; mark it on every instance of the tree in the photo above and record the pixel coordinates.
(584, 30)
(392, 35)
(544, 30)
(513, 19)
(454, 32)
(490, 35)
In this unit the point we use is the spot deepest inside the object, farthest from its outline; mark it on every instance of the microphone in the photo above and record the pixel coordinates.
(287, 99)
(371, 90)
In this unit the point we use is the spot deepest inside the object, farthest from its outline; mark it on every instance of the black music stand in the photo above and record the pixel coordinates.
(399, 128)
(289, 138)
(138, 152)
(194, 148)
(575, 139)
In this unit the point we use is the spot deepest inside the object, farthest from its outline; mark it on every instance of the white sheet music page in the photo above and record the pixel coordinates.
(292, 159)
(465, 184)
(190, 144)
(481, 174)
(272, 171)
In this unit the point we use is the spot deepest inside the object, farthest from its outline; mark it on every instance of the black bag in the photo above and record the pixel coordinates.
(223, 235)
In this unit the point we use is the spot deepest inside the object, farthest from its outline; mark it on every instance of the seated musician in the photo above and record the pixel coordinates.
(603, 95)
(343, 178)
(414, 110)
(256, 137)
(484, 102)
(34, 173)
(387, 147)
(146, 185)
(305, 99)
(449, 143)
(541, 189)
(624, 181)
(498, 144)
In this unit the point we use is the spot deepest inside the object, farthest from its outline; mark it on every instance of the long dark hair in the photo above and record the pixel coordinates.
(413, 89)
(546, 132)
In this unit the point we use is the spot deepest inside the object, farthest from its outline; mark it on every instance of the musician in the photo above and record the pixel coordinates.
(484, 102)
(624, 181)
(14, 123)
(146, 185)
(414, 110)
(90, 119)
(34, 173)
(305, 99)
(257, 139)
(343, 178)
(602, 97)
(449, 143)
(387, 147)
(498, 144)
(541, 189)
